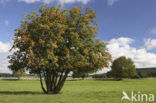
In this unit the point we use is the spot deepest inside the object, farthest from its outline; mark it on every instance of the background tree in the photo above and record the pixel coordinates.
(57, 41)
(79, 75)
(19, 73)
(123, 67)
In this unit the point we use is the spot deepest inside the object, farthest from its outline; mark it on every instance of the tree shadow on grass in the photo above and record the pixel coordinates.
(11, 79)
(19, 93)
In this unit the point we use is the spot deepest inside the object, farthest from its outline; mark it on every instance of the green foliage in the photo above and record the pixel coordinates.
(60, 39)
(57, 41)
(109, 74)
(123, 67)
(143, 75)
(79, 75)
(99, 76)
(146, 72)
(5, 75)
(152, 74)
(19, 73)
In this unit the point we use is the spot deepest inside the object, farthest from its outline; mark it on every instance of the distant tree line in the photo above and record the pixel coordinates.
(146, 72)
(142, 74)
(5, 75)
(18, 74)
(123, 67)
(79, 75)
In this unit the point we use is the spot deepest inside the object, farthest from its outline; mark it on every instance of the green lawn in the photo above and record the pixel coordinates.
(83, 91)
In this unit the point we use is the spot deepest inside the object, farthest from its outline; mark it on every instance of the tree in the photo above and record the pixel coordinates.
(123, 67)
(19, 73)
(57, 41)
(79, 75)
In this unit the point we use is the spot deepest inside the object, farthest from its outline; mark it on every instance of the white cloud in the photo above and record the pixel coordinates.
(150, 43)
(48, 1)
(4, 47)
(111, 2)
(6, 22)
(121, 47)
(153, 31)
(29, 1)
(122, 41)
(4, 63)
(4, 52)
(59, 1)
(104, 70)
(73, 1)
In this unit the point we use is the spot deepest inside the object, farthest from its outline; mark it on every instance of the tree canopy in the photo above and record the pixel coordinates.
(123, 67)
(56, 41)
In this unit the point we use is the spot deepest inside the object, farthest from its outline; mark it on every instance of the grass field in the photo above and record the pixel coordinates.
(82, 91)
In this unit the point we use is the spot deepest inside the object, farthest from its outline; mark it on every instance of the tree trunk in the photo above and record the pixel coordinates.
(42, 84)
(54, 80)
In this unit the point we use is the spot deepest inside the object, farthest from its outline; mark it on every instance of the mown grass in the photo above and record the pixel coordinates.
(82, 91)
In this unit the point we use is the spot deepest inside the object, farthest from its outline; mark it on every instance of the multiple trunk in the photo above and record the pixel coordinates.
(54, 80)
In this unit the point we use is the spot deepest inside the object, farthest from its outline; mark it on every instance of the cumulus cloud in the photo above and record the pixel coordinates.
(4, 52)
(121, 47)
(58, 1)
(48, 1)
(150, 43)
(73, 1)
(4, 47)
(4, 63)
(111, 2)
(29, 1)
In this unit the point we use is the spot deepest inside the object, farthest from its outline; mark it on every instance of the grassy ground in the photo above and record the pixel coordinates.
(83, 91)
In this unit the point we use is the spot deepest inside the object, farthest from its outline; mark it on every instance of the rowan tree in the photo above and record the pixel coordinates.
(56, 41)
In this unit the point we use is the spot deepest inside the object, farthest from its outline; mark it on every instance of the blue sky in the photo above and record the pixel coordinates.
(129, 26)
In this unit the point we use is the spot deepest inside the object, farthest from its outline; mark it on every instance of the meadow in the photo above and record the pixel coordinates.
(80, 91)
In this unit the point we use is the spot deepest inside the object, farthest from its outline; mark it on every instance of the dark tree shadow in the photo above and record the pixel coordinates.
(19, 92)
(11, 79)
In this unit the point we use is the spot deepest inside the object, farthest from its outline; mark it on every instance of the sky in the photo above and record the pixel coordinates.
(129, 26)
